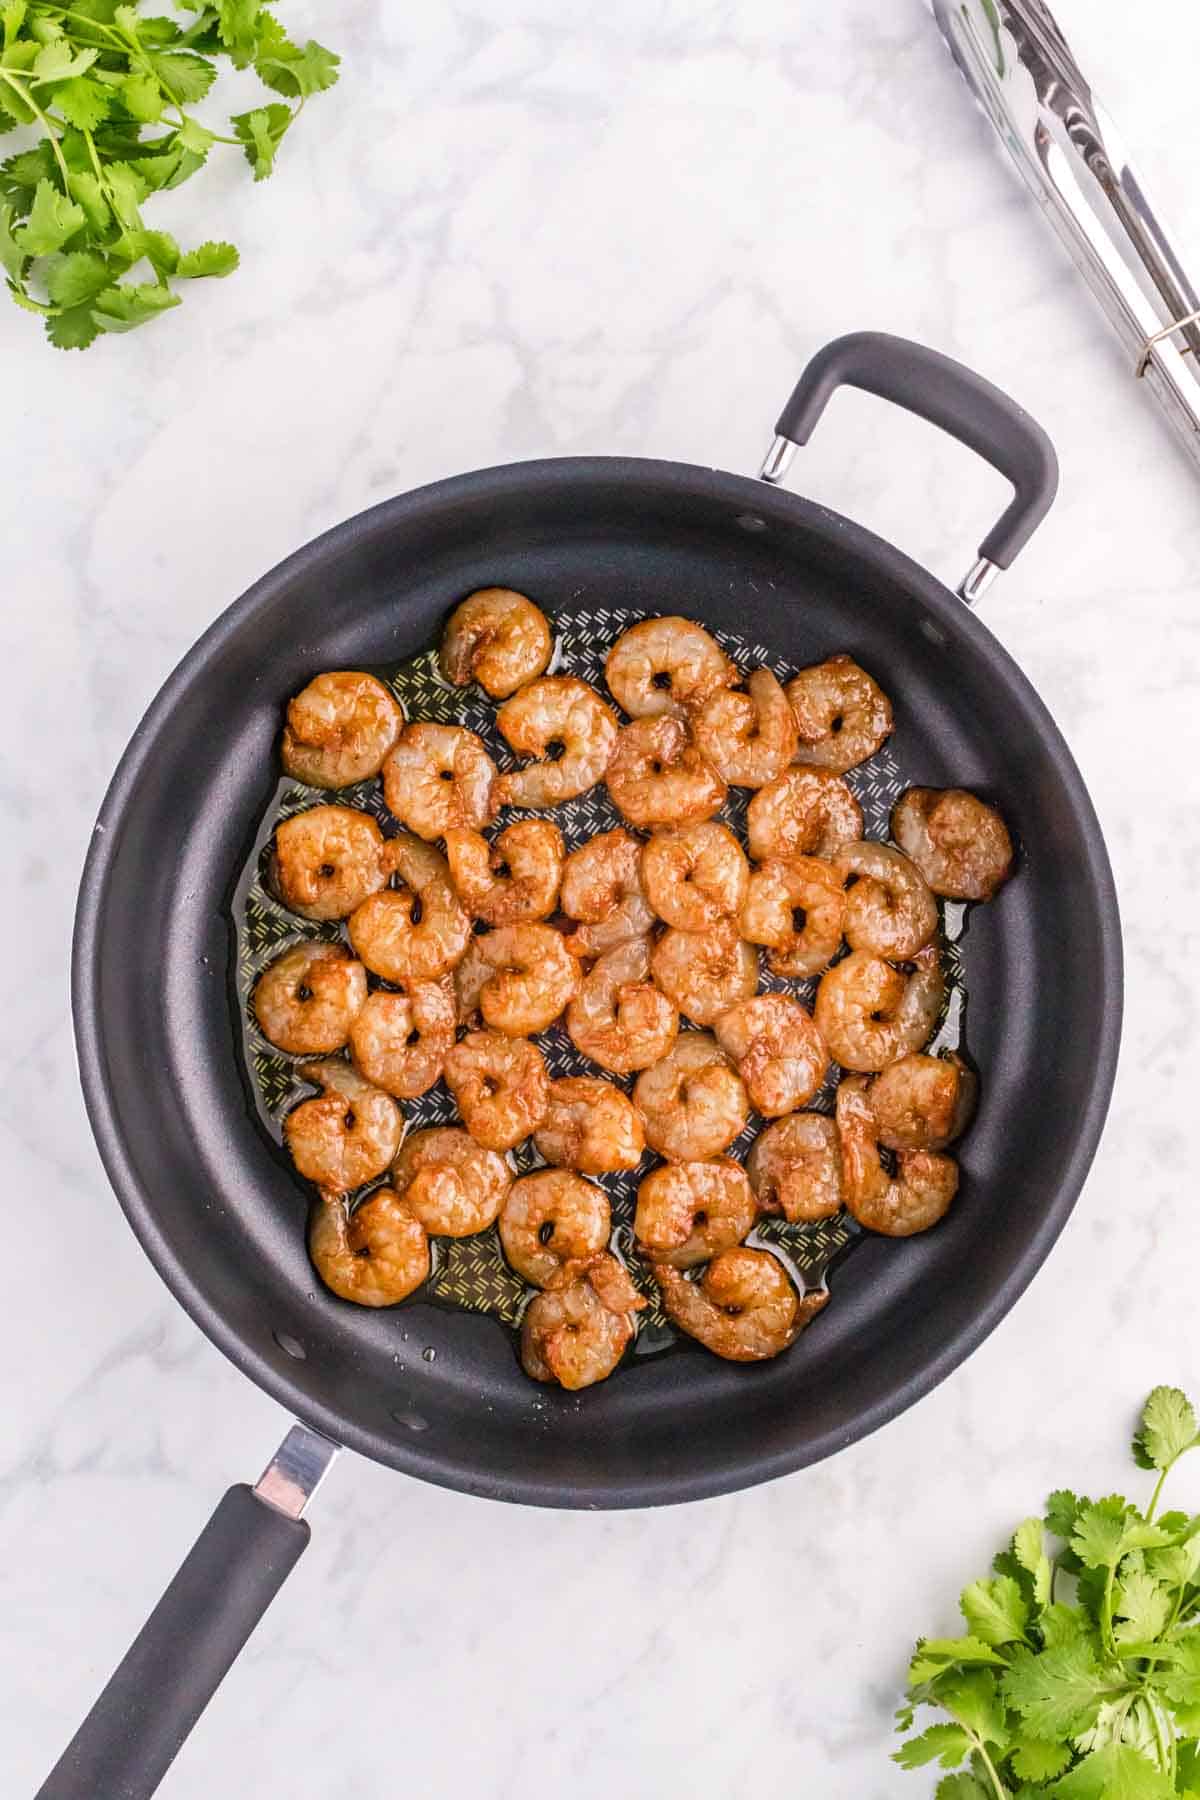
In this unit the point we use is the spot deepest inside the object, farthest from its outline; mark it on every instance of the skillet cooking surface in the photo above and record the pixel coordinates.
(223, 1218)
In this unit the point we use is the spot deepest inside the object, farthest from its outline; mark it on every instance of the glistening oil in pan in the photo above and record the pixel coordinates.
(471, 1274)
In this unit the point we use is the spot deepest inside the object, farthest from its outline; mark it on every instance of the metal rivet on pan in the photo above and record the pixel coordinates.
(751, 522)
(290, 1345)
(412, 1420)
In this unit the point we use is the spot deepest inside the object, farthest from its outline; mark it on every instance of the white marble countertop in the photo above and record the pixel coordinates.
(535, 228)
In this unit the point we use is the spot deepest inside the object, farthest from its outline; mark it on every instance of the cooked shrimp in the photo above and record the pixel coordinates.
(841, 714)
(871, 1015)
(602, 890)
(577, 1331)
(499, 638)
(657, 776)
(960, 845)
(665, 666)
(440, 777)
(750, 737)
(803, 812)
(693, 1102)
(743, 1308)
(512, 880)
(308, 998)
(797, 908)
(453, 1185)
(567, 718)
(696, 875)
(688, 1212)
(591, 1126)
(377, 1256)
(923, 1102)
(618, 1018)
(916, 1197)
(397, 942)
(469, 977)
(552, 1218)
(889, 908)
(349, 1135)
(339, 729)
(533, 976)
(795, 1168)
(327, 860)
(704, 972)
(500, 1085)
(778, 1051)
(399, 1041)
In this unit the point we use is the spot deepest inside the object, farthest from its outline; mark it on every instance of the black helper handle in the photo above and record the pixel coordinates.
(181, 1655)
(947, 394)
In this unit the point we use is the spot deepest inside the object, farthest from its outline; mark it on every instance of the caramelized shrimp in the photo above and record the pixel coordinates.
(696, 875)
(960, 845)
(393, 943)
(339, 729)
(923, 1102)
(552, 1218)
(376, 1257)
(803, 812)
(916, 1197)
(750, 737)
(513, 880)
(841, 714)
(778, 1051)
(578, 1329)
(797, 908)
(327, 860)
(453, 1185)
(307, 1000)
(556, 713)
(602, 891)
(693, 1102)
(399, 1041)
(889, 908)
(665, 666)
(497, 637)
(349, 1135)
(795, 1168)
(590, 1126)
(439, 778)
(532, 977)
(657, 775)
(704, 973)
(870, 1015)
(500, 1086)
(618, 1018)
(743, 1308)
(688, 1212)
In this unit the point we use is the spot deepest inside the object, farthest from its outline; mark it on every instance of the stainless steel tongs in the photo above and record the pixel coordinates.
(1021, 69)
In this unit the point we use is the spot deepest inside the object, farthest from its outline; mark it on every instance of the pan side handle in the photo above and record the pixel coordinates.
(949, 395)
(225, 1584)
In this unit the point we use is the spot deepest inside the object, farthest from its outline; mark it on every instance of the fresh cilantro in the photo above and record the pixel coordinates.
(109, 89)
(1080, 1676)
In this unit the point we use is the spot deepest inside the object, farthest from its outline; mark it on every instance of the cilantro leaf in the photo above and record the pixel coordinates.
(207, 259)
(934, 1656)
(184, 75)
(973, 1698)
(236, 24)
(86, 189)
(74, 329)
(52, 220)
(1098, 1539)
(76, 278)
(1142, 1606)
(963, 1787)
(12, 257)
(1168, 1428)
(82, 102)
(1062, 1509)
(1061, 1625)
(1028, 1546)
(124, 305)
(297, 73)
(1057, 1692)
(58, 61)
(995, 1611)
(260, 133)
(1033, 1759)
(1115, 1773)
(142, 97)
(945, 1744)
(20, 174)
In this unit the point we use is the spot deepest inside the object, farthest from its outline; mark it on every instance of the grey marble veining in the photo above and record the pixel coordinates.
(524, 229)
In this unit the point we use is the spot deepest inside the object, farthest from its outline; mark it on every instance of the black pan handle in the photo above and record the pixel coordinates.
(962, 403)
(178, 1660)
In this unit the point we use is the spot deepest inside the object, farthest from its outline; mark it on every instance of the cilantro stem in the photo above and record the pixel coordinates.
(1000, 1790)
(27, 97)
(1156, 1495)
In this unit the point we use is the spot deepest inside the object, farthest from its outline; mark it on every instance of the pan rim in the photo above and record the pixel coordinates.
(455, 1471)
